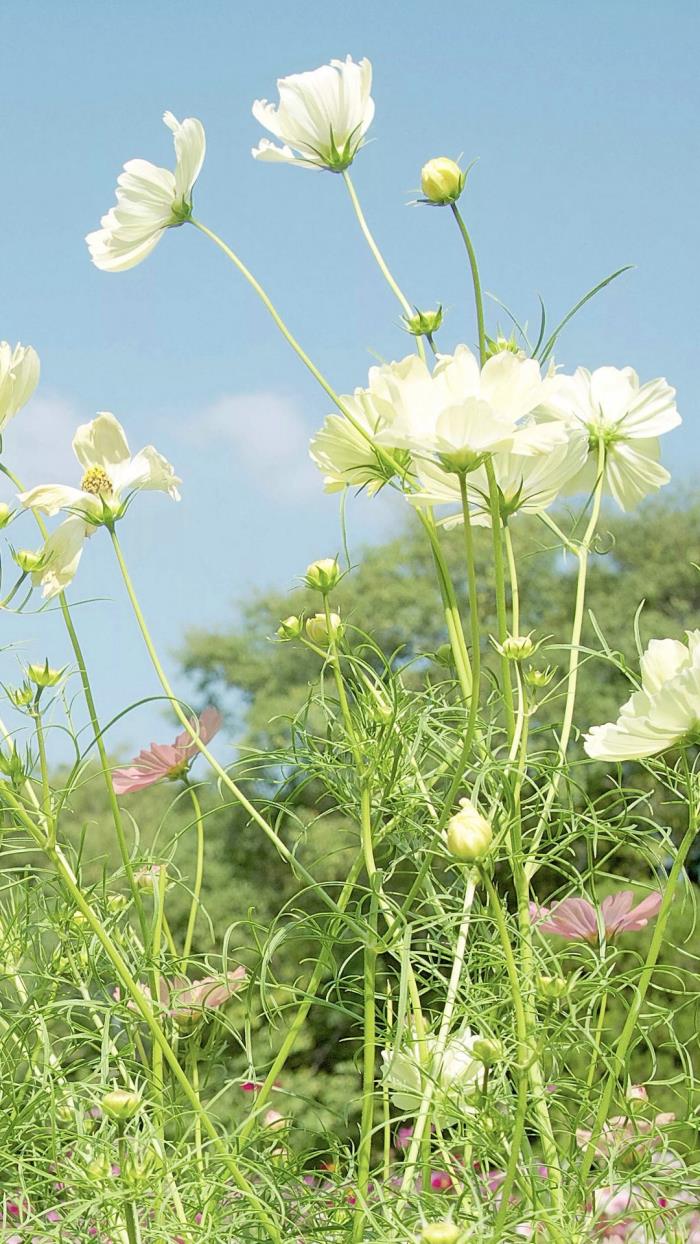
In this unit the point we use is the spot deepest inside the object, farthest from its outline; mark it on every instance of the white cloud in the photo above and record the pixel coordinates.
(37, 443)
(268, 436)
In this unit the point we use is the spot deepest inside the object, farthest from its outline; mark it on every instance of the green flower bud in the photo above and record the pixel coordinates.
(120, 1104)
(289, 628)
(440, 1233)
(148, 877)
(552, 987)
(5, 514)
(323, 575)
(22, 696)
(43, 676)
(442, 180)
(517, 647)
(117, 902)
(500, 344)
(27, 560)
(423, 323)
(444, 655)
(318, 630)
(541, 677)
(98, 1168)
(487, 1051)
(469, 834)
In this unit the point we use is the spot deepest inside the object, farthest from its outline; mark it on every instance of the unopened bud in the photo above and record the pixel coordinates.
(22, 696)
(517, 647)
(275, 1121)
(552, 987)
(5, 514)
(442, 180)
(322, 630)
(323, 575)
(27, 560)
(444, 655)
(98, 1168)
(440, 1233)
(43, 676)
(469, 834)
(148, 877)
(120, 1104)
(487, 1051)
(499, 345)
(289, 628)
(423, 323)
(540, 677)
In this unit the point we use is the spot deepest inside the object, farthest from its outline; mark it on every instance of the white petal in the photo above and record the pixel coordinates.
(190, 148)
(62, 552)
(101, 443)
(50, 498)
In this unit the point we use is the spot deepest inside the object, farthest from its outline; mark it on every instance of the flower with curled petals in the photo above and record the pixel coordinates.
(664, 713)
(166, 762)
(149, 201)
(322, 116)
(577, 920)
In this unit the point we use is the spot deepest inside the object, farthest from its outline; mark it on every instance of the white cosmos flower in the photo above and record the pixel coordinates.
(663, 713)
(61, 555)
(461, 412)
(19, 376)
(149, 201)
(345, 453)
(322, 116)
(110, 475)
(528, 485)
(456, 1075)
(628, 417)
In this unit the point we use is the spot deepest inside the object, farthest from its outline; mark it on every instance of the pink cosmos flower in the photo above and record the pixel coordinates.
(163, 762)
(194, 999)
(577, 920)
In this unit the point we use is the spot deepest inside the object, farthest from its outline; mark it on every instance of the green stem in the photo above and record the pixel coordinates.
(96, 730)
(381, 262)
(513, 576)
(369, 1058)
(645, 979)
(582, 553)
(473, 611)
(453, 619)
(130, 1218)
(296, 867)
(500, 581)
(60, 863)
(198, 877)
(476, 281)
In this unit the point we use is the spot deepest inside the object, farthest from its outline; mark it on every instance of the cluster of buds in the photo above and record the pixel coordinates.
(37, 679)
(469, 834)
(323, 628)
(442, 181)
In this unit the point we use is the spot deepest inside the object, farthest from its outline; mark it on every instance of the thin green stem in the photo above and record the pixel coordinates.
(500, 583)
(513, 576)
(198, 877)
(297, 868)
(645, 979)
(476, 281)
(381, 262)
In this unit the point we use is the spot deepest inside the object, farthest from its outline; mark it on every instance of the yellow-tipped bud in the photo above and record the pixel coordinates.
(442, 180)
(518, 647)
(469, 834)
(323, 575)
(43, 676)
(320, 632)
(440, 1233)
(120, 1104)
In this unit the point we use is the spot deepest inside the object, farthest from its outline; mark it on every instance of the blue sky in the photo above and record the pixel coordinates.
(585, 122)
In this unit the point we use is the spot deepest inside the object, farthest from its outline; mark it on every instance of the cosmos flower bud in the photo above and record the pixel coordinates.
(517, 647)
(540, 677)
(5, 514)
(323, 575)
(442, 180)
(275, 1121)
(43, 676)
(469, 834)
(27, 560)
(120, 1104)
(552, 987)
(290, 628)
(487, 1051)
(440, 1233)
(318, 630)
(22, 696)
(98, 1168)
(147, 878)
(497, 345)
(423, 323)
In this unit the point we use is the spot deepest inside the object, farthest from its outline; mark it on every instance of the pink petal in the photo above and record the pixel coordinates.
(640, 915)
(125, 780)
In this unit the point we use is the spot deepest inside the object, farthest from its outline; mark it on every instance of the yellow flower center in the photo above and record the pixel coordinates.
(97, 481)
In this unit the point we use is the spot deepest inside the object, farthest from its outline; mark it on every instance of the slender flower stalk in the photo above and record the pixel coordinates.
(381, 262)
(198, 876)
(476, 281)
